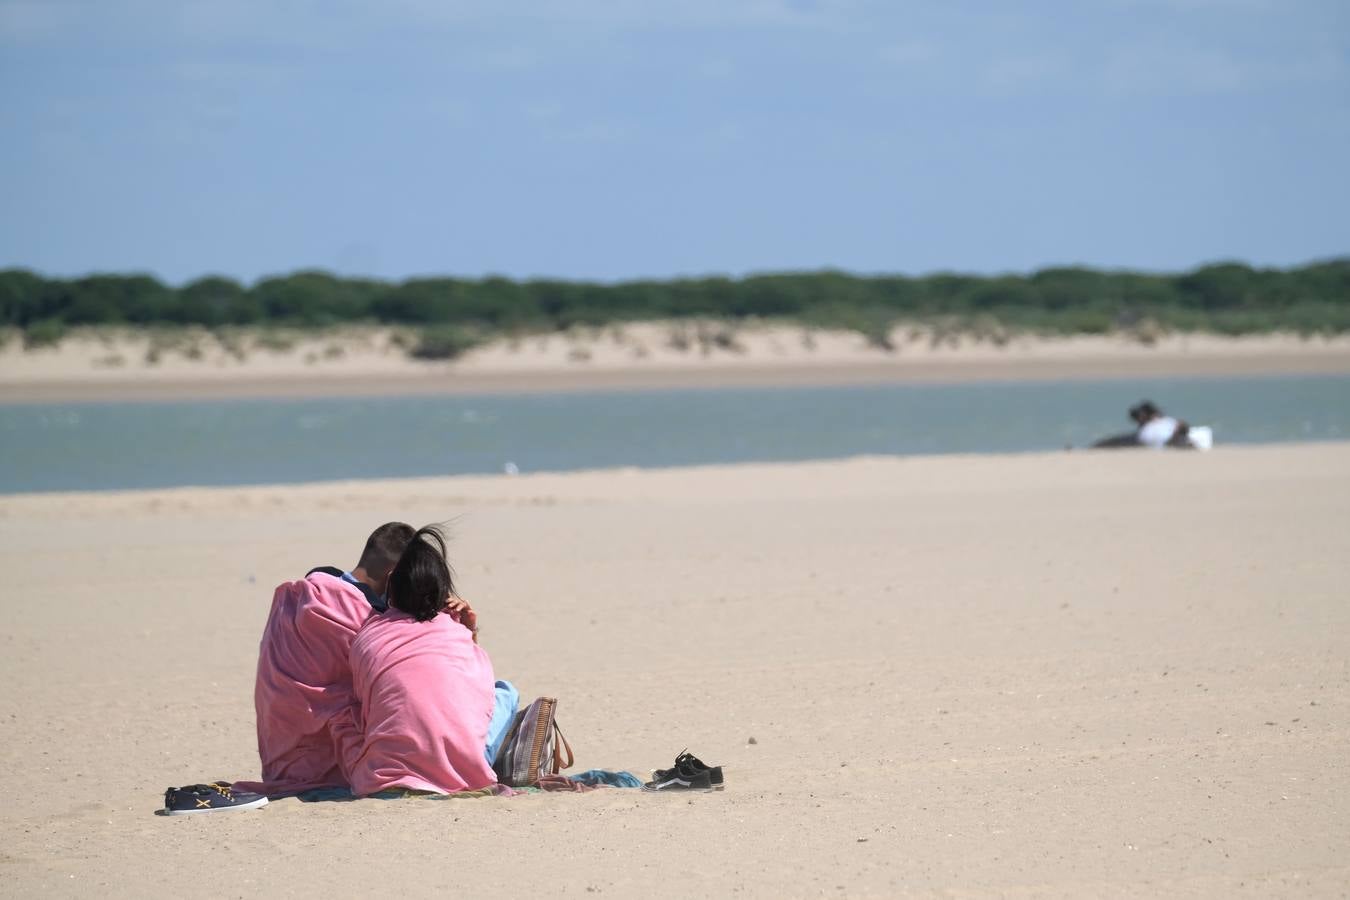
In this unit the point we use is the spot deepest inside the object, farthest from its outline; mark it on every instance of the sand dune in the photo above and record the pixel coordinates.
(103, 365)
(1064, 675)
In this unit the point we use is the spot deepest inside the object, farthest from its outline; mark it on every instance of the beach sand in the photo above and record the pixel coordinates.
(1076, 674)
(110, 365)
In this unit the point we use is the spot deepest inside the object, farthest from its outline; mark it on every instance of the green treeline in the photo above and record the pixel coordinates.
(1229, 298)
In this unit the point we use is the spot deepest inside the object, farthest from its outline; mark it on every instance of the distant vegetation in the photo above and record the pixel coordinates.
(453, 314)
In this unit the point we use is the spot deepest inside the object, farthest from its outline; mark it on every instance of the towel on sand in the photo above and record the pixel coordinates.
(304, 681)
(590, 780)
(425, 694)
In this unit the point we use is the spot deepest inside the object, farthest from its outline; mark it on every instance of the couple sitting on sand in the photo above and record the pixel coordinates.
(371, 680)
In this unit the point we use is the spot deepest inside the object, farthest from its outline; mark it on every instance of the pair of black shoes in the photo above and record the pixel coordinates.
(218, 796)
(688, 774)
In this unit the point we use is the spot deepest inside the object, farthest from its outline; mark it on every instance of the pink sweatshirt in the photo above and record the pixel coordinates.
(424, 699)
(304, 681)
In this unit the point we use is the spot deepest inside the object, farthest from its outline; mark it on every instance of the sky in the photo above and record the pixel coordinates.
(616, 139)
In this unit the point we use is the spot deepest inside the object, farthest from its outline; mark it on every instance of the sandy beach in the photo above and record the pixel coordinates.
(1068, 674)
(111, 365)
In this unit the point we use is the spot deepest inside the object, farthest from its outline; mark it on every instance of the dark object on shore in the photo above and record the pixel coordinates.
(1117, 441)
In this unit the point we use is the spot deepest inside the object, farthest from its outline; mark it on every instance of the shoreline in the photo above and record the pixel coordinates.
(449, 382)
(639, 358)
(526, 485)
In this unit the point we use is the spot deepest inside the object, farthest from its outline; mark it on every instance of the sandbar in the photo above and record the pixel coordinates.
(1067, 674)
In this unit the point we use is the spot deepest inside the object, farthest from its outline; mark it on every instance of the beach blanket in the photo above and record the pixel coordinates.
(592, 780)
(303, 682)
(424, 699)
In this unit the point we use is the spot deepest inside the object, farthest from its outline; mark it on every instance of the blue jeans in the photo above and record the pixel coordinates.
(503, 714)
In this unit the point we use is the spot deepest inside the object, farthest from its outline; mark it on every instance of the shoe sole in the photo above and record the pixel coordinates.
(253, 804)
(678, 790)
(717, 786)
(652, 787)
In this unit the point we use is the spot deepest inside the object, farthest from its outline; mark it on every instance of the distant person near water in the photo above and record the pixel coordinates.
(1156, 429)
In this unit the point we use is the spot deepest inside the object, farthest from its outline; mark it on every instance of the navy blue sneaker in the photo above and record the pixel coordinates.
(217, 796)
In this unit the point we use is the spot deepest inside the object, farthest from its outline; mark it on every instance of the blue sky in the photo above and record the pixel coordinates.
(608, 139)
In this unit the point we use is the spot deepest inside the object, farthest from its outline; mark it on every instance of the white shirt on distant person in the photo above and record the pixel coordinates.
(1157, 432)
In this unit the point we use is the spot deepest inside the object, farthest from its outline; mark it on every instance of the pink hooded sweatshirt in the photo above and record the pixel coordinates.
(304, 681)
(424, 699)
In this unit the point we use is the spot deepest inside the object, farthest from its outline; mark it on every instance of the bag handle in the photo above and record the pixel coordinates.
(558, 764)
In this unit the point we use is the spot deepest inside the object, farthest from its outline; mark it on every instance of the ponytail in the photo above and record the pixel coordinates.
(421, 580)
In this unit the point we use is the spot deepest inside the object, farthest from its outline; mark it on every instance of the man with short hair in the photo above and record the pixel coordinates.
(304, 676)
(370, 576)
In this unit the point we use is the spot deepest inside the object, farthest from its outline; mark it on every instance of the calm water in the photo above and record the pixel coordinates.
(135, 445)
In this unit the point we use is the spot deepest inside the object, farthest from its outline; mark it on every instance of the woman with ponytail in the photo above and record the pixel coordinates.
(425, 691)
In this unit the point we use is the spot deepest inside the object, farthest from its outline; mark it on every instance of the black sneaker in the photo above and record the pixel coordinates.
(217, 796)
(687, 764)
(680, 780)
